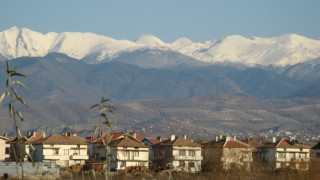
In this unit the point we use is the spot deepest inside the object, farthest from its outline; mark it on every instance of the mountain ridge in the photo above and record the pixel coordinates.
(283, 50)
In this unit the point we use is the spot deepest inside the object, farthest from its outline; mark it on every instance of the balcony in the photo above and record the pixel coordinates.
(79, 157)
(191, 158)
(51, 157)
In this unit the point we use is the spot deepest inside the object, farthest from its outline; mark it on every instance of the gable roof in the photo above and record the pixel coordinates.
(34, 136)
(251, 142)
(224, 143)
(283, 143)
(4, 138)
(178, 141)
(128, 141)
(61, 139)
(113, 137)
(317, 146)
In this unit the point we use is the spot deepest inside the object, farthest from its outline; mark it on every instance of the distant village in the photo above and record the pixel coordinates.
(181, 154)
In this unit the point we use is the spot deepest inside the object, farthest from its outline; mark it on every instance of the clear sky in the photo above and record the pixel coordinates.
(198, 20)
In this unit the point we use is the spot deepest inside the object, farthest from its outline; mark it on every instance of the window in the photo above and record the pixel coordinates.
(318, 154)
(141, 164)
(76, 152)
(66, 152)
(7, 150)
(122, 164)
(135, 153)
(160, 152)
(181, 164)
(182, 152)
(55, 151)
(302, 155)
(191, 164)
(78, 162)
(192, 153)
(291, 156)
(281, 155)
(155, 152)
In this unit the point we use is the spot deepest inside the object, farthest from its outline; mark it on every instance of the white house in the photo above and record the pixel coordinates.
(95, 142)
(4, 148)
(64, 149)
(181, 153)
(24, 147)
(283, 153)
(226, 153)
(125, 152)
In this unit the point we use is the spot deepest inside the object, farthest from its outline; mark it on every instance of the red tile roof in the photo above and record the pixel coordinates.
(178, 141)
(283, 143)
(223, 143)
(128, 141)
(113, 137)
(61, 139)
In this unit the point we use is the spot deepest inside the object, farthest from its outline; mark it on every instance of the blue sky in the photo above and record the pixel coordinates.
(166, 19)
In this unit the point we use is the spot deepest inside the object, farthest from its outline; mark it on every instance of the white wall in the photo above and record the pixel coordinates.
(3, 146)
(67, 155)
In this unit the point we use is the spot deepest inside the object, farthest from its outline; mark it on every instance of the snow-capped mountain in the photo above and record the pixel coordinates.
(283, 50)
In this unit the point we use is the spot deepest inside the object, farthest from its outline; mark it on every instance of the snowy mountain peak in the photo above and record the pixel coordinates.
(150, 40)
(283, 50)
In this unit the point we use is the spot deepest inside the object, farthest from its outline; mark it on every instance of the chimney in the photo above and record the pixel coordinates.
(235, 138)
(29, 133)
(217, 138)
(172, 137)
(220, 136)
(184, 136)
(228, 138)
(33, 134)
(43, 134)
(74, 134)
(103, 134)
(134, 135)
(274, 139)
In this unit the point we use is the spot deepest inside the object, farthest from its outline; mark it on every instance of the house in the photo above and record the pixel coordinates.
(181, 153)
(283, 153)
(64, 149)
(151, 141)
(226, 153)
(4, 148)
(255, 145)
(316, 151)
(94, 142)
(126, 151)
(24, 147)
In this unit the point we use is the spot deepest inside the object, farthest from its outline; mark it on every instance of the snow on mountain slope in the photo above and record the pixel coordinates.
(150, 40)
(283, 50)
(16, 42)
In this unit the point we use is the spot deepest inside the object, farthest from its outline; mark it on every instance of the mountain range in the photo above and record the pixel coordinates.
(284, 50)
(232, 84)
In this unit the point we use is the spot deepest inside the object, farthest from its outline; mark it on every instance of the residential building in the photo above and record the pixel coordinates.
(24, 146)
(180, 153)
(126, 151)
(151, 141)
(94, 142)
(255, 145)
(283, 153)
(226, 153)
(316, 151)
(4, 148)
(64, 149)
